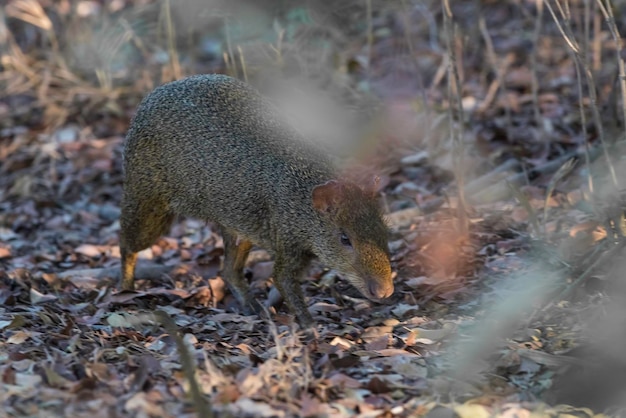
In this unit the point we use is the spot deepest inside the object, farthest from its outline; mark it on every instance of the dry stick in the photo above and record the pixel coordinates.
(590, 82)
(583, 121)
(492, 177)
(413, 54)
(227, 63)
(279, 47)
(585, 275)
(34, 13)
(141, 272)
(203, 409)
(525, 202)
(169, 26)
(229, 48)
(533, 63)
(587, 28)
(500, 190)
(457, 129)
(619, 44)
(440, 73)
(500, 70)
(597, 41)
(242, 60)
(370, 37)
(561, 173)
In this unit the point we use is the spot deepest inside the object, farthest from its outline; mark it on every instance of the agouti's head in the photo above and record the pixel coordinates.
(353, 239)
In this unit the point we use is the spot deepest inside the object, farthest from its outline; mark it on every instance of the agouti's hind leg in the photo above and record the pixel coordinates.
(235, 253)
(141, 224)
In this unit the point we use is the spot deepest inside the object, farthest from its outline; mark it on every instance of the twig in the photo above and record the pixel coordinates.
(570, 40)
(597, 41)
(454, 94)
(525, 202)
(173, 54)
(583, 121)
(500, 70)
(561, 173)
(242, 60)
(141, 272)
(229, 48)
(585, 275)
(607, 12)
(500, 190)
(492, 177)
(533, 63)
(370, 37)
(203, 408)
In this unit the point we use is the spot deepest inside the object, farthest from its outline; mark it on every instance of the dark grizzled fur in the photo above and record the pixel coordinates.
(210, 147)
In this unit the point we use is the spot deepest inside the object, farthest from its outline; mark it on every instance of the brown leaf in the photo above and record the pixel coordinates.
(36, 297)
(5, 252)
(310, 406)
(379, 343)
(89, 250)
(8, 376)
(378, 385)
(346, 361)
(343, 381)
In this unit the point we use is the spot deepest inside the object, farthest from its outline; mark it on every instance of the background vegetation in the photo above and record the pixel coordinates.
(497, 128)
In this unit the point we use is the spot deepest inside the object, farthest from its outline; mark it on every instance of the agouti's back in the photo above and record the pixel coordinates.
(211, 147)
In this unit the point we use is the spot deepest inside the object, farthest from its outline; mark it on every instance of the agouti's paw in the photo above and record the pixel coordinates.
(128, 285)
(310, 334)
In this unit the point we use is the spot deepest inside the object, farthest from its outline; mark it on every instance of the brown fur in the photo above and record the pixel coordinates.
(210, 147)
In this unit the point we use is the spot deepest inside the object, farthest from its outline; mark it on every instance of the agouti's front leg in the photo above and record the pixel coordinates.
(288, 268)
(129, 260)
(235, 253)
(141, 223)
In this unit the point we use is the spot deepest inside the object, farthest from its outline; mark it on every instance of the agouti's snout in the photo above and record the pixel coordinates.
(379, 290)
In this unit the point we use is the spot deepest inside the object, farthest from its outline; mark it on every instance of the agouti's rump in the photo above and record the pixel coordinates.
(211, 147)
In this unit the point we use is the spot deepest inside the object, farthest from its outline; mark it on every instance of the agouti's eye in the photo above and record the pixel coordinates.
(345, 240)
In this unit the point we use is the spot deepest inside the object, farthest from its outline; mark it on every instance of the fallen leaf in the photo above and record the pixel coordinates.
(119, 321)
(469, 410)
(36, 297)
(5, 252)
(89, 250)
(378, 385)
(379, 343)
(19, 337)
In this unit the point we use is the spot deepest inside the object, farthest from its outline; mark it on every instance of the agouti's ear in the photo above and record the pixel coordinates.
(374, 185)
(326, 196)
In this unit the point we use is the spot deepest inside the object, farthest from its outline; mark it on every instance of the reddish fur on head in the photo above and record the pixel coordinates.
(355, 239)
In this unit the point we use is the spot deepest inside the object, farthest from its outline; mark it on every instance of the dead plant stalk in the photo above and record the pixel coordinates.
(454, 94)
(570, 40)
(607, 12)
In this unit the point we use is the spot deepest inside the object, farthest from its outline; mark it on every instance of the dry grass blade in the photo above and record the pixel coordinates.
(171, 36)
(533, 62)
(499, 68)
(607, 12)
(561, 173)
(566, 32)
(525, 202)
(600, 257)
(29, 11)
(454, 94)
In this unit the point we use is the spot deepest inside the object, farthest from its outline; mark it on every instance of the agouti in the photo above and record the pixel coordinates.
(211, 147)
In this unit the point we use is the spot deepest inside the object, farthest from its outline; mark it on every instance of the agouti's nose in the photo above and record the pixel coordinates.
(380, 291)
